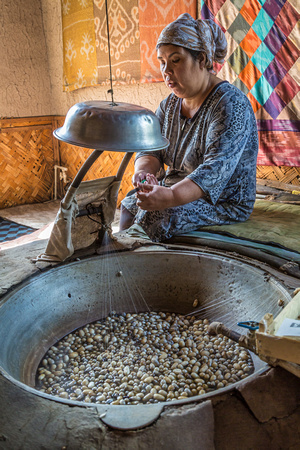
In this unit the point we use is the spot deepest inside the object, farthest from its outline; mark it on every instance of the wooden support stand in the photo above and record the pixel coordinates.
(280, 350)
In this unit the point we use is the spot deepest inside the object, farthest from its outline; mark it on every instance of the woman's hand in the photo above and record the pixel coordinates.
(156, 198)
(151, 179)
(138, 177)
(143, 177)
(152, 197)
(146, 165)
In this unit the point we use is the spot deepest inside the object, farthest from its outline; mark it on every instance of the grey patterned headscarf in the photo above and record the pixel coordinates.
(200, 35)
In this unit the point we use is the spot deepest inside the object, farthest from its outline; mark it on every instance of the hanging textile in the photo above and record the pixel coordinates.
(79, 46)
(124, 40)
(134, 27)
(262, 58)
(263, 61)
(153, 17)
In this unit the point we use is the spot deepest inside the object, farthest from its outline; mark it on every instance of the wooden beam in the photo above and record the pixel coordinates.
(283, 348)
(25, 122)
(278, 347)
(26, 128)
(278, 185)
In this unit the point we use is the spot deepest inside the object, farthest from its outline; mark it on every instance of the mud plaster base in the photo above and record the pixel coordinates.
(226, 422)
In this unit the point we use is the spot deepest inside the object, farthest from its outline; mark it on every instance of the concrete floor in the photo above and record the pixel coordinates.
(36, 215)
(40, 216)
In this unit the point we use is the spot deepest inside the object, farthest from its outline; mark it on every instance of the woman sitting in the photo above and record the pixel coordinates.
(211, 160)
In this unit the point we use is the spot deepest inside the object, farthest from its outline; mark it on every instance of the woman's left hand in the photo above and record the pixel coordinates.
(154, 197)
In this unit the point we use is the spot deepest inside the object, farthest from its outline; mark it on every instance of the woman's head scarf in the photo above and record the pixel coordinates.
(200, 35)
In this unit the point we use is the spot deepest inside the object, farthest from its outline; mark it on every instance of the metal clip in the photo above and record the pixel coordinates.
(250, 325)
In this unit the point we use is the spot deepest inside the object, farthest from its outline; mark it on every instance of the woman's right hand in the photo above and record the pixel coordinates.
(138, 177)
(147, 165)
(151, 179)
(144, 177)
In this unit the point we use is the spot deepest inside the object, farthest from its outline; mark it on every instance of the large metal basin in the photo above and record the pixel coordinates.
(54, 303)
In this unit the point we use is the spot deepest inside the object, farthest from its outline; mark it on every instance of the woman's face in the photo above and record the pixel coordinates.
(181, 73)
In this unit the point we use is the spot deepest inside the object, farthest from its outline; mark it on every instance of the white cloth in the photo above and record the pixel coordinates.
(71, 233)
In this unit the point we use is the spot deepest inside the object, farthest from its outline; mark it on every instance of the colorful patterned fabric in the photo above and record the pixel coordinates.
(134, 27)
(124, 41)
(79, 46)
(263, 61)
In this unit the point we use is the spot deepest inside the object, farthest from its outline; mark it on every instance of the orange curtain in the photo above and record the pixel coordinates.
(153, 17)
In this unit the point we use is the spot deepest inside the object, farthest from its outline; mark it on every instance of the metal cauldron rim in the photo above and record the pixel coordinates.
(107, 412)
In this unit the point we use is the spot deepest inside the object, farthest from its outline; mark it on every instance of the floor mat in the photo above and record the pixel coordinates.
(12, 230)
(273, 228)
(272, 223)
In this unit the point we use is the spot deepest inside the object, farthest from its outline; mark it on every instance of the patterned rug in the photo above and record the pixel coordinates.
(12, 230)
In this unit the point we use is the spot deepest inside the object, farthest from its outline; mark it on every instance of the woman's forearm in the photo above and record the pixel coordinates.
(185, 191)
(148, 163)
(153, 198)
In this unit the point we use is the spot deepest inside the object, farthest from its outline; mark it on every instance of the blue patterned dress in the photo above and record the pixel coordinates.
(217, 149)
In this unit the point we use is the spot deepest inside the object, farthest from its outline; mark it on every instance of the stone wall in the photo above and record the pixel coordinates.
(24, 75)
(31, 70)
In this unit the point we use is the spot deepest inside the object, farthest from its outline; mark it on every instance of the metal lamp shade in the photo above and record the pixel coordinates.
(120, 127)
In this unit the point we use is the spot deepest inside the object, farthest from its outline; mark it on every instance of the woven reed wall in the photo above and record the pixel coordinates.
(284, 174)
(106, 165)
(26, 161)
(29, 152)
